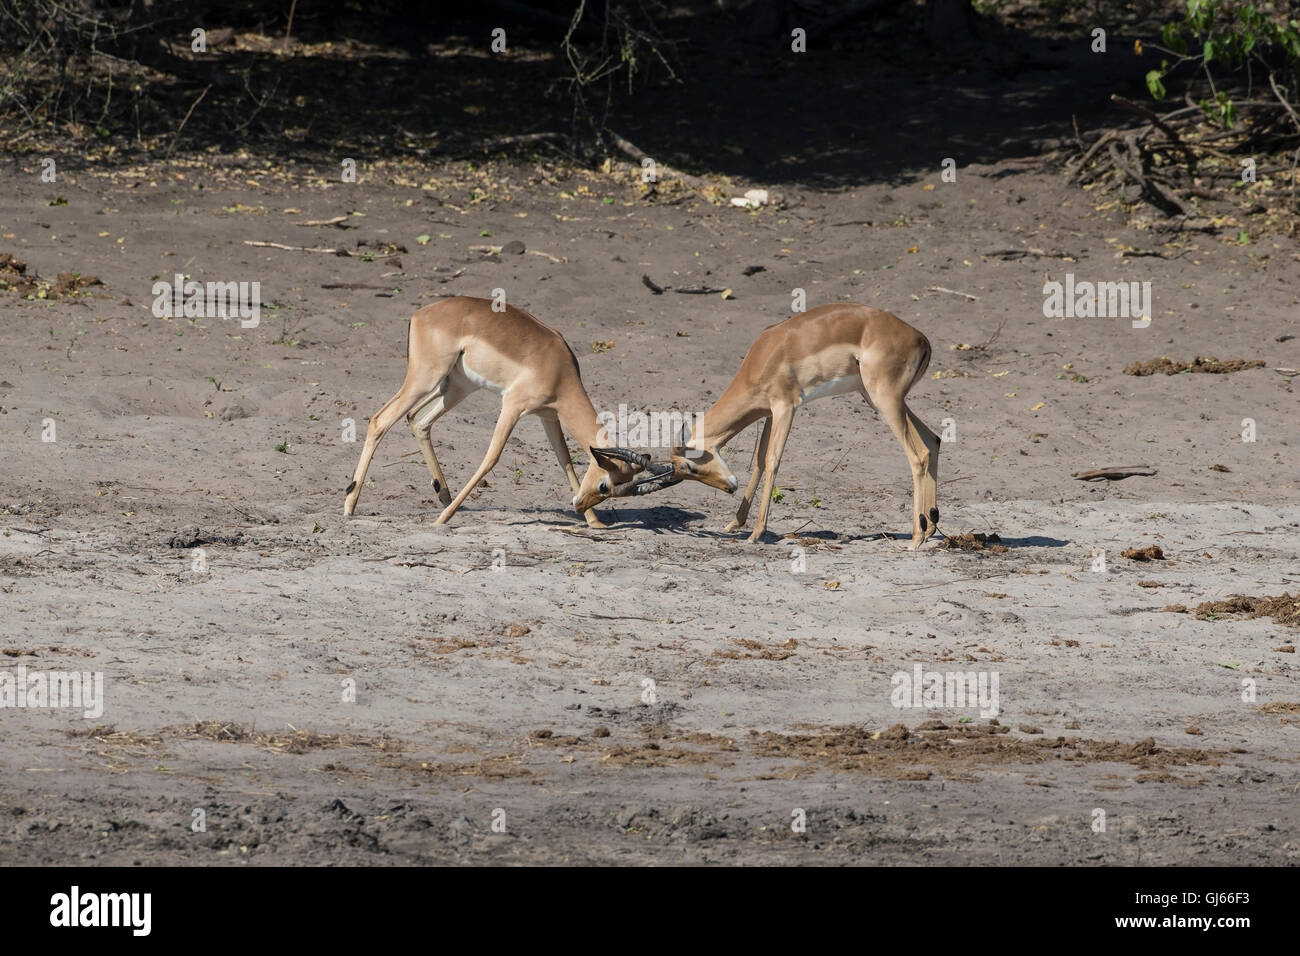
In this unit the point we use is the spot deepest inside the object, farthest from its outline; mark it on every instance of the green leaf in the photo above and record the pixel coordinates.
(423, 240)
(1155, 84)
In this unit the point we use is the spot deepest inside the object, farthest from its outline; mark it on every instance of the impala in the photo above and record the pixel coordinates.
(460, 345)
(829, 350)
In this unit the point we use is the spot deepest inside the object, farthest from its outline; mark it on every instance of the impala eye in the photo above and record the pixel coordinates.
(604, 487)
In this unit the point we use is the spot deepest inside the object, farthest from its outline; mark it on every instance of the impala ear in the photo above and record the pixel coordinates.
(608, 458)
(684, 439)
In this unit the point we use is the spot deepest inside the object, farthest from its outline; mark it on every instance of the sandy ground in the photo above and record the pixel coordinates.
(500, 664)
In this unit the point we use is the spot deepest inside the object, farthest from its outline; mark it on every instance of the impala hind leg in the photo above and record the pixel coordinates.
(510, 415)
(755, 475)
(778, 431)
(561, 448)
(450, 394)
(922, 448)
(388, 416)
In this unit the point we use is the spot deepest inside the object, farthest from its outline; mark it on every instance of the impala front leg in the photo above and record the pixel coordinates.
(779, 430)
(926, 482)
(922, 448)
(561, 448)
(755, 474)
(510, 414)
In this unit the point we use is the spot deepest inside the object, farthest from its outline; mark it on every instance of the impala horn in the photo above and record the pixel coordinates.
(662, 475)
(624, 454)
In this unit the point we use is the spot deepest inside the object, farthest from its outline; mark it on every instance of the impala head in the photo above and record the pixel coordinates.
(611, 474)
(701, 463)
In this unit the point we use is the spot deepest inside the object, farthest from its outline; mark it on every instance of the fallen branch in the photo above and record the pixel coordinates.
(964, 295)
(280, 245)
(1116, 472)
(1149, 186)
(496, 251)
(1159, 124)
(661, 169)
(1021, 253)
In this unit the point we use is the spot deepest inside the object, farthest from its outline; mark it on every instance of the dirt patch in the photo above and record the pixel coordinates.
(15, 278)
(497, 767)
(974, 541)
(753, 650)
(292, 742)
(1283, 608)
(1212, 365)
(895, 752)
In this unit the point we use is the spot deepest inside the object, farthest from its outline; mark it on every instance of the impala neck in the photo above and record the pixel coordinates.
(734, 411)
(578, 419)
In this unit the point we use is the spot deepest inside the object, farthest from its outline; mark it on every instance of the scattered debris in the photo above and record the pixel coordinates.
(1152, 553)
(1212, 365)
(753, 199)
(974, 541)
(515, 248)
(15, 278)
(1284, 609)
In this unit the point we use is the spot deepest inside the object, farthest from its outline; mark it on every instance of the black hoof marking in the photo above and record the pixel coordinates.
(350, 487)
(934, 516)
(921, 518)
(436, 485)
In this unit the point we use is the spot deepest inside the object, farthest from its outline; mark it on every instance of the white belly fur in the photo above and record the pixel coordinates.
(837, 386)
(479, 380)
